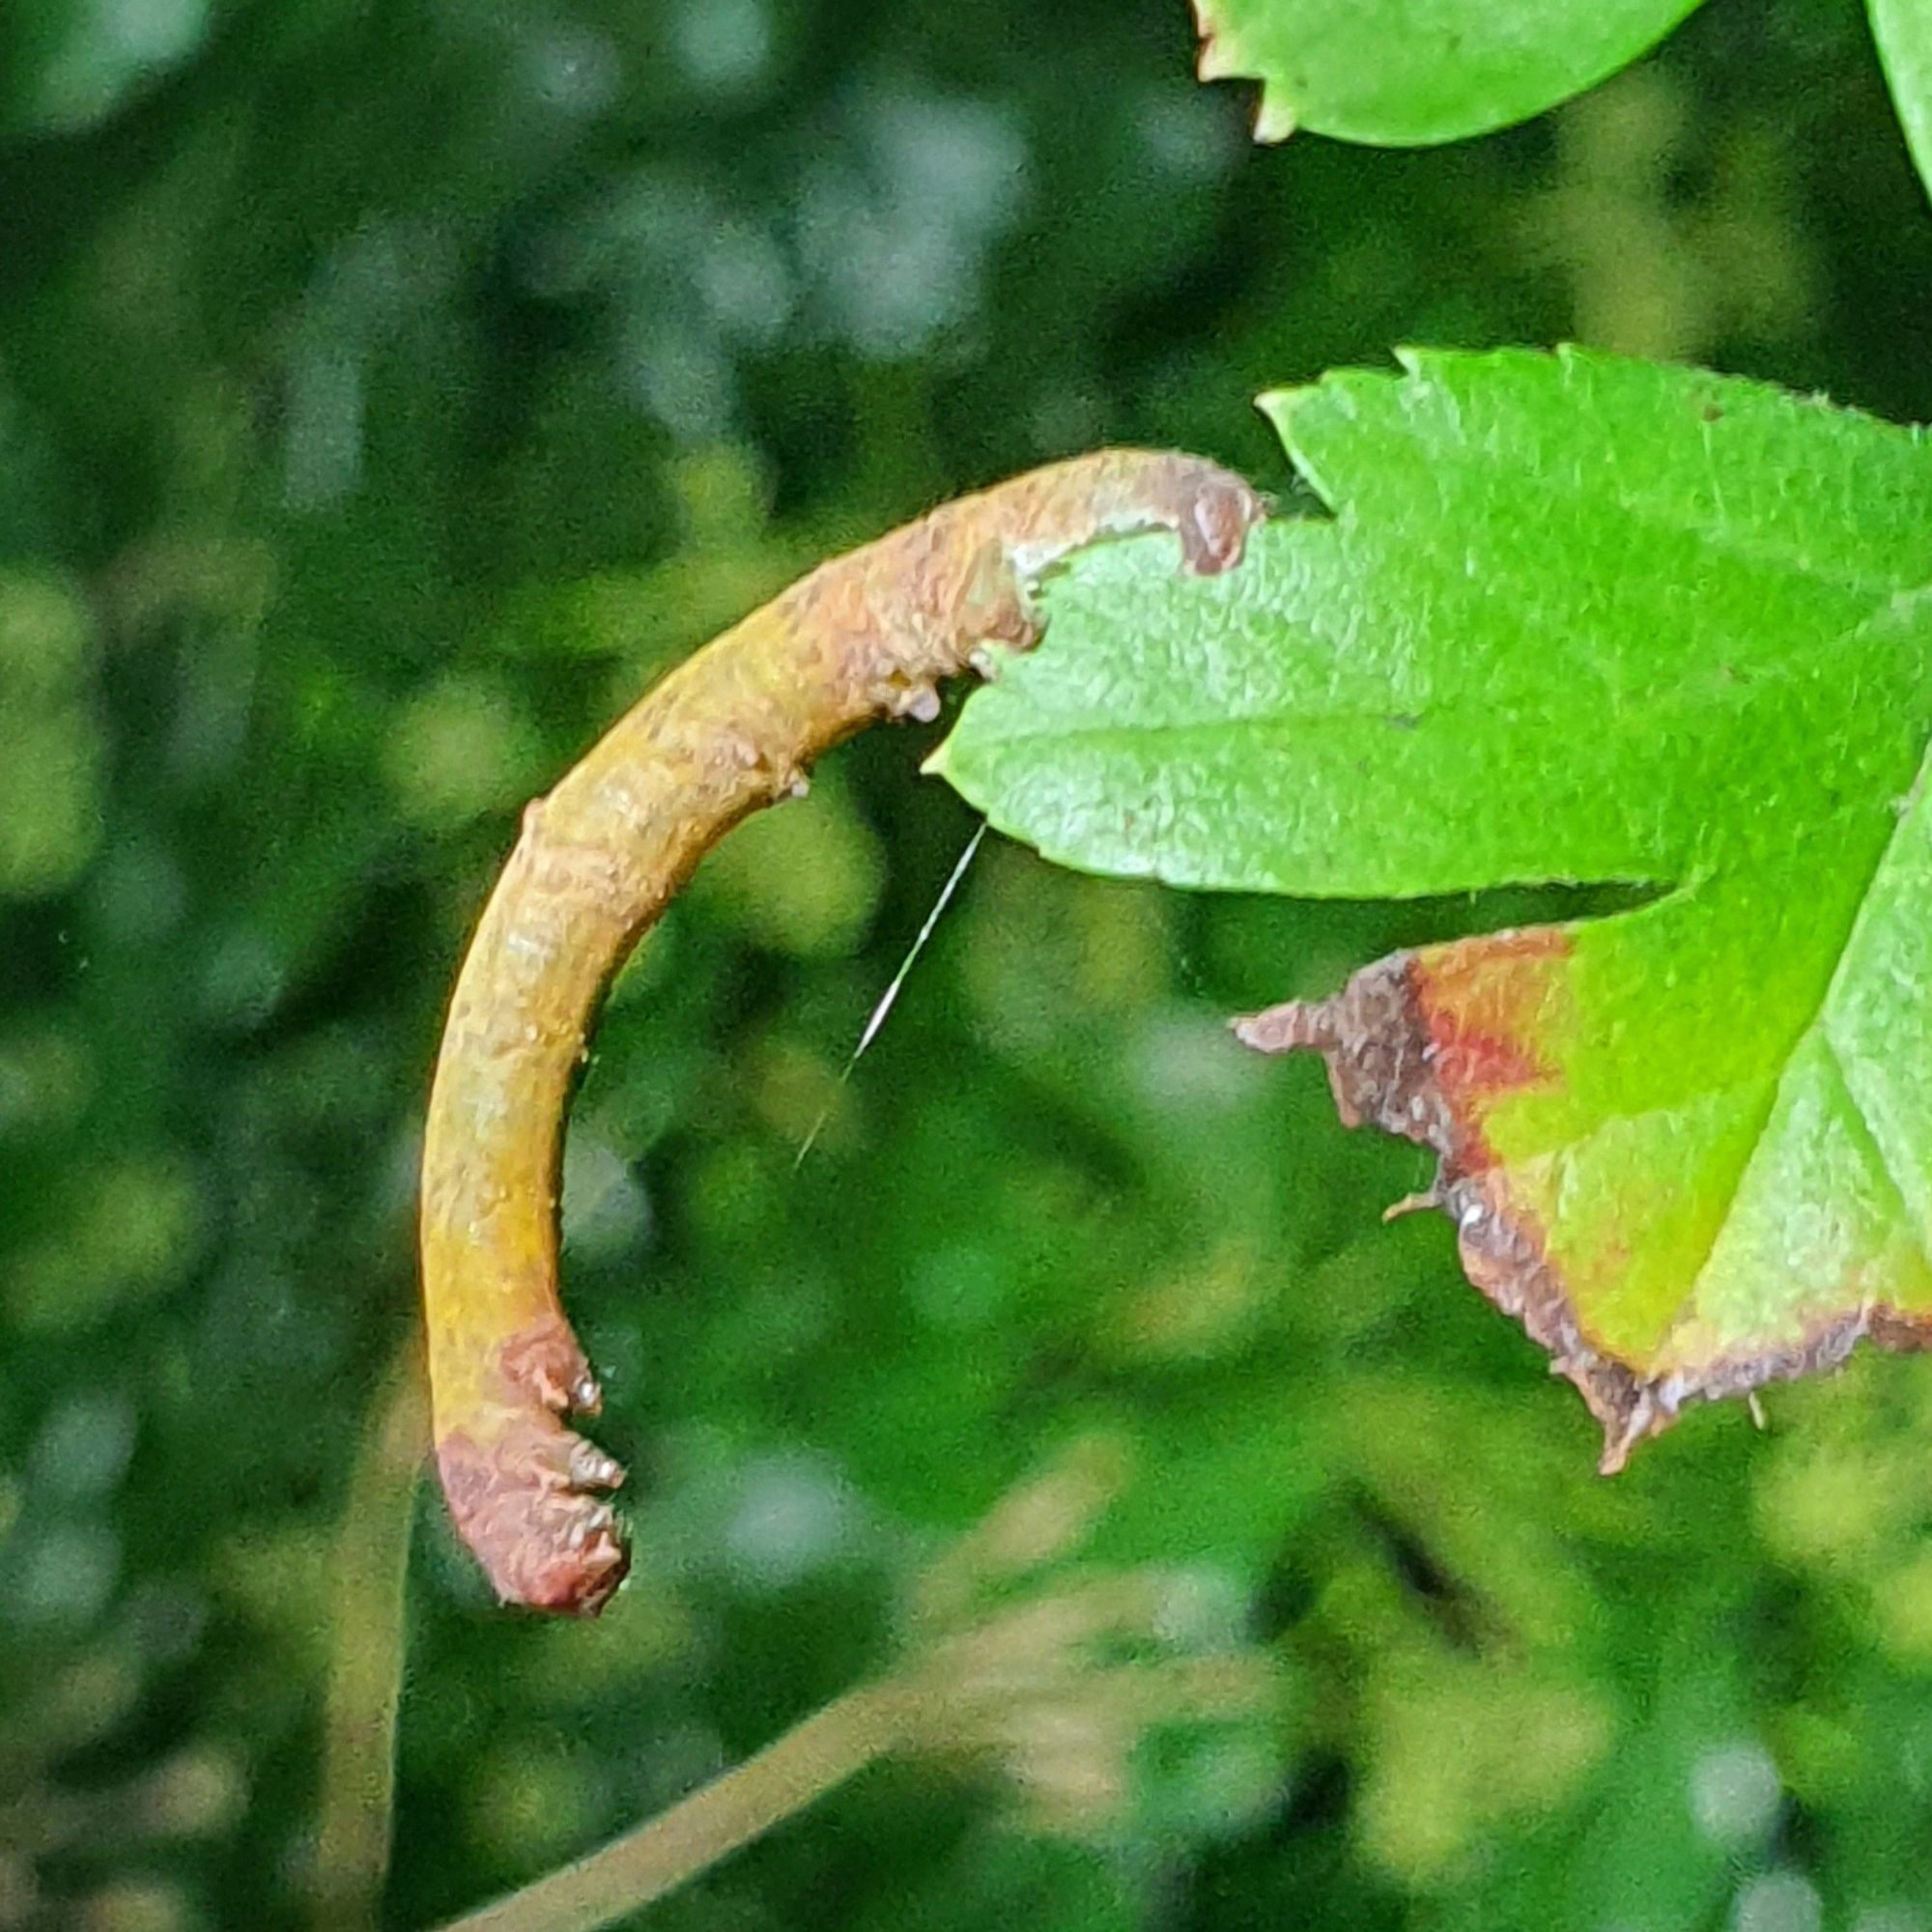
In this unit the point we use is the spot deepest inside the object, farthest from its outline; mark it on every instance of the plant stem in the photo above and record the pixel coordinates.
(735, 728)
(828, 1748)
(371, 1556)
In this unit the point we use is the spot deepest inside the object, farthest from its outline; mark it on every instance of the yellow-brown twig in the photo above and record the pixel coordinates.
(867, 637)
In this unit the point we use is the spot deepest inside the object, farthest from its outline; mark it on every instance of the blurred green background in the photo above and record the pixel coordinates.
(388, 389)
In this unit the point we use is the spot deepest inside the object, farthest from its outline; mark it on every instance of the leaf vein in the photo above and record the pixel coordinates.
(1876, 1145)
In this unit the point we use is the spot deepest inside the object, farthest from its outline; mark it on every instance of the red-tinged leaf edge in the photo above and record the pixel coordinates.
(1403, 1061)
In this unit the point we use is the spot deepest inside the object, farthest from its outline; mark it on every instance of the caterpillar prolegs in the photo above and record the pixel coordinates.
(867, 637)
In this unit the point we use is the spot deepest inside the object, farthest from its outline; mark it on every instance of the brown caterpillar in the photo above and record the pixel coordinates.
(865, 636)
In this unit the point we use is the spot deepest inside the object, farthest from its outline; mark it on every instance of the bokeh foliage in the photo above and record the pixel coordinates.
(387, 391)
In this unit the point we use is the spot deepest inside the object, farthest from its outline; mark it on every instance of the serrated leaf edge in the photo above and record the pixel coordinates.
(1221, 58)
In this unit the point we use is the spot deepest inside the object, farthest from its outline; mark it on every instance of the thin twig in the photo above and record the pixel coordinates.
(826, 1749)
(359, 1754)
(735, 728)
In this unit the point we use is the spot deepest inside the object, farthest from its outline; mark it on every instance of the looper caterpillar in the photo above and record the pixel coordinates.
(865, 636)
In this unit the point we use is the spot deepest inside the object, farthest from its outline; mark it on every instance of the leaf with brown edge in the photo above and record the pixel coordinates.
(1584, 620)
(865, 638)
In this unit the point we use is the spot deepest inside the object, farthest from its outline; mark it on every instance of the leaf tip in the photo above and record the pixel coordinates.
(1213, 63)
(1276, 118)
(1279, 407)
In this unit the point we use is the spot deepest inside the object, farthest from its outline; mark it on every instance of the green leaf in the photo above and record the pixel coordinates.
(1903, 29)
(1404, 73)
(1573, 619)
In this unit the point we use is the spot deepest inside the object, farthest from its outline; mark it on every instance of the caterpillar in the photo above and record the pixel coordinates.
(867, 637)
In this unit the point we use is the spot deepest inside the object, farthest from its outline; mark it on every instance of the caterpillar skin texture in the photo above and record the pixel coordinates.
(868, 636)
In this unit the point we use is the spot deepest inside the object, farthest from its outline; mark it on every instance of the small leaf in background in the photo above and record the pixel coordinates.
(1403, 74)
(1903, 29)
(1573, 619)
